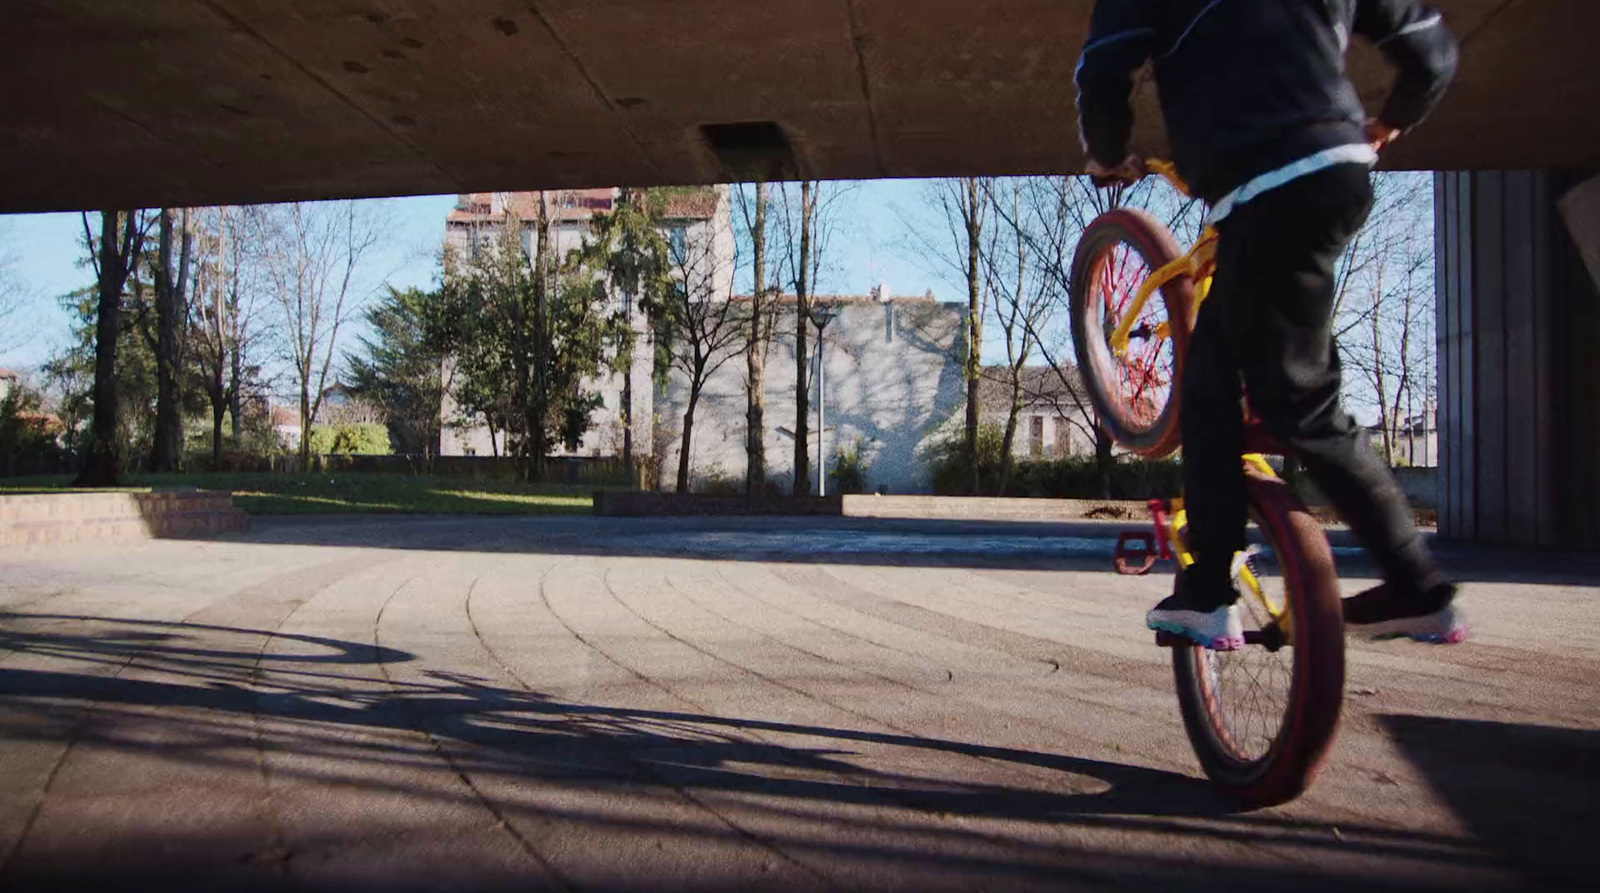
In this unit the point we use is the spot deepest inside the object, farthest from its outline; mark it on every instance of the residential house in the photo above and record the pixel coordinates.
(1415, 441)
(286, 425)
(1056, 419)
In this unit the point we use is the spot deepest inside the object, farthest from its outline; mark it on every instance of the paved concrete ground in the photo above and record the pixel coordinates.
(580, 704)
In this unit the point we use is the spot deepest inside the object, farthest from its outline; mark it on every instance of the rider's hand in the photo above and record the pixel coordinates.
(1130, 170)
(1379, 135)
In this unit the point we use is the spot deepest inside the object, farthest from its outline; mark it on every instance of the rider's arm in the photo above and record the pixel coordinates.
(1414, 38)
(1121, 35)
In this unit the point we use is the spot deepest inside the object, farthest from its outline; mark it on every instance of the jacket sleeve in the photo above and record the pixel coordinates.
(1415, 39)
(1121, 36)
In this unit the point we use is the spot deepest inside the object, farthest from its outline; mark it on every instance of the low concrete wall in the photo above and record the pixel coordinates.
(1420, 485)
(639, 504)
(627, 504)
(989, 508)
(46, 518)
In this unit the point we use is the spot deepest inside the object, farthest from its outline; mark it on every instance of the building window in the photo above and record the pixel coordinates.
(678, 237)
(1063, 436)
(1036, 436)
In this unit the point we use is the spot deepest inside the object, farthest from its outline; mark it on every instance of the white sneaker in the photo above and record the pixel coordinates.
(1219, 630)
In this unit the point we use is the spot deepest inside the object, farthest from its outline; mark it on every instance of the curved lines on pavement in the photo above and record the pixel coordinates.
(843, 708)
(938, 694)
(828, 628)
(841, 629)
(895, 797)
(75, 734)
(888, 794)
(501, 820)
(1048, 688)
(682, 791)
(1056, 654)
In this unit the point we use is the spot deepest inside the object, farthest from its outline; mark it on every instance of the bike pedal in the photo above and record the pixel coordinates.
(1136, 553)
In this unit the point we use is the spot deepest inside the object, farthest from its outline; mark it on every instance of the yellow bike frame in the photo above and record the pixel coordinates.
(1200, 264)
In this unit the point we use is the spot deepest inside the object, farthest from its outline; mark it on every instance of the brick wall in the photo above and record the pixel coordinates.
(42, 519)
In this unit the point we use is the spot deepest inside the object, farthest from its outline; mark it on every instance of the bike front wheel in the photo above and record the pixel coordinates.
(1262, 719)
(1133, 386)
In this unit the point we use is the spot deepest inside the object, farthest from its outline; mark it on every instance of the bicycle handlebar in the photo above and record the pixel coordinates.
(1168, 171)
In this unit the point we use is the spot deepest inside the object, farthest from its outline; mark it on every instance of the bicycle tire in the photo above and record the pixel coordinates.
(1310, 718)
(1154, 244)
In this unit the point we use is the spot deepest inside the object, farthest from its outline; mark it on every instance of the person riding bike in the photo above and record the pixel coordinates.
(1266, 126)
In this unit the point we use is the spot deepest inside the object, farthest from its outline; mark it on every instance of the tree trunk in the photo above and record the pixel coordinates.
(974, 224)
(755, 475)
(1103, 460)
(1009, 441)
(236, 397)
(101, 464)
(167, 450)
(1378, 376)
(219, 408)
(627, 392)
(539, 409)
(688, 432)
(802, 353)
(305, 421)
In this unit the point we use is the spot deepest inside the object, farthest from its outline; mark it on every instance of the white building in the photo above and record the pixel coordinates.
(893, 378)
(700, 217)
(892, 385)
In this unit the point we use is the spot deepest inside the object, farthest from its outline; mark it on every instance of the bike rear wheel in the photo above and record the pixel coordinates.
(1262, 719)
(1135, 392)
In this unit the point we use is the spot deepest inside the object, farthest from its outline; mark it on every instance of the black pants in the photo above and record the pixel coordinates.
(1269, 323)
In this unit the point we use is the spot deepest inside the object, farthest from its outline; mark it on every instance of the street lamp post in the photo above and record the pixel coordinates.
(821, 315)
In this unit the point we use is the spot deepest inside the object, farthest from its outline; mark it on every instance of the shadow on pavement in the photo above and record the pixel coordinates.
(1530, 793)
(1007, 545)
(330, 717)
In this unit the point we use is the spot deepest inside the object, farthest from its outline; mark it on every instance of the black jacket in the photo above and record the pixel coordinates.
(1248, 86)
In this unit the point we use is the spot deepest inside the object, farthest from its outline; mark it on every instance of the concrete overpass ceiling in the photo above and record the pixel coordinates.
(211, 101)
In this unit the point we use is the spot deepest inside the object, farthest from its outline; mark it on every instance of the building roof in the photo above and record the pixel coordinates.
(10, 373)
(1042, 388)
(285, 417)
(568, 204)
(698, 203)
(853, 299)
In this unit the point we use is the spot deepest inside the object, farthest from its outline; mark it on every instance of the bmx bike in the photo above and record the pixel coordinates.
(1262, 718)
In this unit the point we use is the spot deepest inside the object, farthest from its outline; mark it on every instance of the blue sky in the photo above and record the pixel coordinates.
(47, 255)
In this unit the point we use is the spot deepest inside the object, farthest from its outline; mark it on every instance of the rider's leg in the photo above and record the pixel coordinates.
(1213, 440)
(1203, 605)
(1290, 241)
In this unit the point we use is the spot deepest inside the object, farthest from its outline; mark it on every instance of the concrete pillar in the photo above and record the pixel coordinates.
(1519, 363)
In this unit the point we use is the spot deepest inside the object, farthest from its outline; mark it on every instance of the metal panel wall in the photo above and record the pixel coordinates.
(1519, 364)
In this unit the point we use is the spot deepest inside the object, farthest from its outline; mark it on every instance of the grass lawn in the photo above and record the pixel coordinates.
(301, 494)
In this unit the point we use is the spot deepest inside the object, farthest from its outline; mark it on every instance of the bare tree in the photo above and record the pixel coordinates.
(1025, 297)
(1048, 220)
(313, 253)
(1385, 306)
(224, 309)
(114, 257)
(171, 309)
(954, 250)
(700, 326)
(759, 338)
(12, 293)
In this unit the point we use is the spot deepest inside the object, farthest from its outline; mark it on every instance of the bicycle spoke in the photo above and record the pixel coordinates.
(1250, 688)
